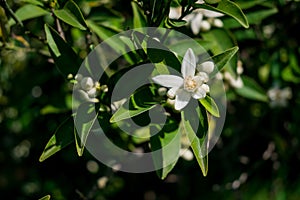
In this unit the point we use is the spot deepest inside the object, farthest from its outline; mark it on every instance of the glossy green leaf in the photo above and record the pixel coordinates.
(125, 113)
(222, 40)
(229, 8)
(29, 11)
(139, 19)
(195, 127)
(210, 105)
(249, 4)
(254, 17)
(47, 197)
(71, 15)
(84, 120)
(252, 90)
(64, 56)
(34, 2)
(222, 59)
(171, 23)
(62, 137)
(165, 146)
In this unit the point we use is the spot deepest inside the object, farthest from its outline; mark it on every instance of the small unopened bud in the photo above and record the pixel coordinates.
(70, 76)
(205, 25)
(162, 91)
(239, 69)
(171, 94)
(78, 77)
(218, 23)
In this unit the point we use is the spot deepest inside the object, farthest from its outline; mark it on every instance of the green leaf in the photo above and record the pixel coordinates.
(252, 90)
(64, 56)
(84, 120)
(222, 40)
(210, 105)
(195, 127)
(229, 8)
(139, 19)
(47, 197)
(29, 11)
(62, 137)
(222, 59)
(125, 113)
(71, 15)
(35, 2)
(165, 146)
(171, 23)
(254, 17)
(249, 4)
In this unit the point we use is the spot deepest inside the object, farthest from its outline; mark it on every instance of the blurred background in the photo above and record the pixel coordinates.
(257, 156)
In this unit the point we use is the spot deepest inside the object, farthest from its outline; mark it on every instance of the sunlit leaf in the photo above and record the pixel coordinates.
(166, 143)
(84, 120)
(71, 15)
(30, 11)
(210, 105)
(64, 56)
(62, 137)
(47, 197)
(222, 59)
(124, 113)
(139, 20)
(195, 127)
(229, 8)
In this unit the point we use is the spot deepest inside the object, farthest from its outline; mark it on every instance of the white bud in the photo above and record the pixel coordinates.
(78, 77)
(87, 83)
(205, 25)
(162, 91)
(218, 23)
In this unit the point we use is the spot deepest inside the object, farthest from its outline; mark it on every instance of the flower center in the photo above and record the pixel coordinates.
(190, 84)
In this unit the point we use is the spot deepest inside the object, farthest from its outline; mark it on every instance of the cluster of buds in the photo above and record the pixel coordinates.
(87, 88)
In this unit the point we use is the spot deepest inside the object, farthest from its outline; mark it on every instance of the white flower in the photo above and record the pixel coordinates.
(190, 84)
(279, 97)
(195, 19)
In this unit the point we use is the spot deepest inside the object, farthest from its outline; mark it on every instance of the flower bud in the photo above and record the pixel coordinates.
(205, 25)
(87, 83)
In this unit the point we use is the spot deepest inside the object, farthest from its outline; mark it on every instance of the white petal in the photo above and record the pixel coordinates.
(209, 13)
(196, 23)
(188, 66)
(203, 76)
(168, 80)
(200, 93)
(182, 99)
(174, 12)
(207, 67)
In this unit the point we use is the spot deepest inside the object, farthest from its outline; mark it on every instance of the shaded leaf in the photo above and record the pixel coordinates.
(61, 138)
(252, 90)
